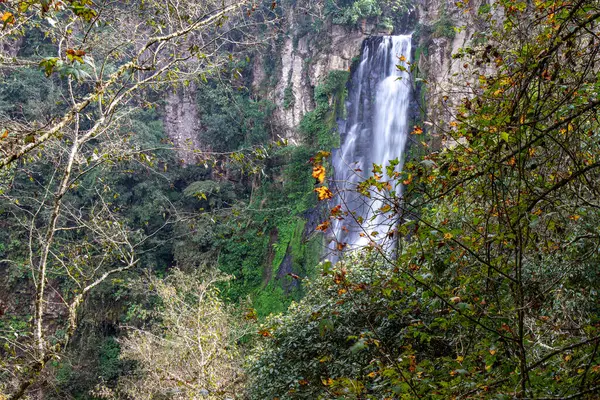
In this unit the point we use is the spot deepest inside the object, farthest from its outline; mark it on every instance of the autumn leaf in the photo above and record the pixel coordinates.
(402, 58)
(546, 75)
(336, 211)
(8, 18)
(318, 173)
(322, 227)
(417, 130)
(318, 158)
(251, 315)
(413, 363)
(385, 208)
(324, 193)
(265, 333)
(75, 55)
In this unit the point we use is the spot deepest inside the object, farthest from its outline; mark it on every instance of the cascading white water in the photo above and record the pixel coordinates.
(375, 132)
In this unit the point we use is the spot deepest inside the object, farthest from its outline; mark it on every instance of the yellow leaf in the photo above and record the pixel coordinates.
(402, 58)
(323, 154)
(327, 382)
(385, 208)
(448, 236)
(323, 193)
(7, 17)
(318, 173)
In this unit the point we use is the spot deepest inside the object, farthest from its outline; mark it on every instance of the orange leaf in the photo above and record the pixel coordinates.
(265, 333)
(417, 130)
(335, 211)
(323, 227)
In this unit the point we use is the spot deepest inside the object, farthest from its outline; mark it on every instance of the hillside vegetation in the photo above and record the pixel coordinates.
(133, 266)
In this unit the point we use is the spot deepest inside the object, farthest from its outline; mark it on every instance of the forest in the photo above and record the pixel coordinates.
(280, 200)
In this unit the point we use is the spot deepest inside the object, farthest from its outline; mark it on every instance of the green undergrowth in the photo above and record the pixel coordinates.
(318, 127)
(267, 272)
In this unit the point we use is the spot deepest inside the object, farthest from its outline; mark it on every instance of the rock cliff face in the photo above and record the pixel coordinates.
(305, 54)
(444, 29)
(440, 29)
(305, 61)
(182, 122)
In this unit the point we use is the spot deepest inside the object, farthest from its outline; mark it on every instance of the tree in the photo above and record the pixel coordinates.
(107, 52)
(192, 351)
(496, 233)
(100, 57)
(73, 240)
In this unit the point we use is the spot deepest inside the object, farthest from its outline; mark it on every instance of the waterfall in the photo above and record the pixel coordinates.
(374, 132)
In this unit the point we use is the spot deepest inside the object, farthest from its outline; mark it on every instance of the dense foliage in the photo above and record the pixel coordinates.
(125, 274)
(493, 289)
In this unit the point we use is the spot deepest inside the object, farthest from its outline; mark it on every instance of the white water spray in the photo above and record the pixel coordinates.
(375, 132)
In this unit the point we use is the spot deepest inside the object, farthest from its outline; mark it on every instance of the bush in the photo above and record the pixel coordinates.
(352, 336)
(351, 12)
